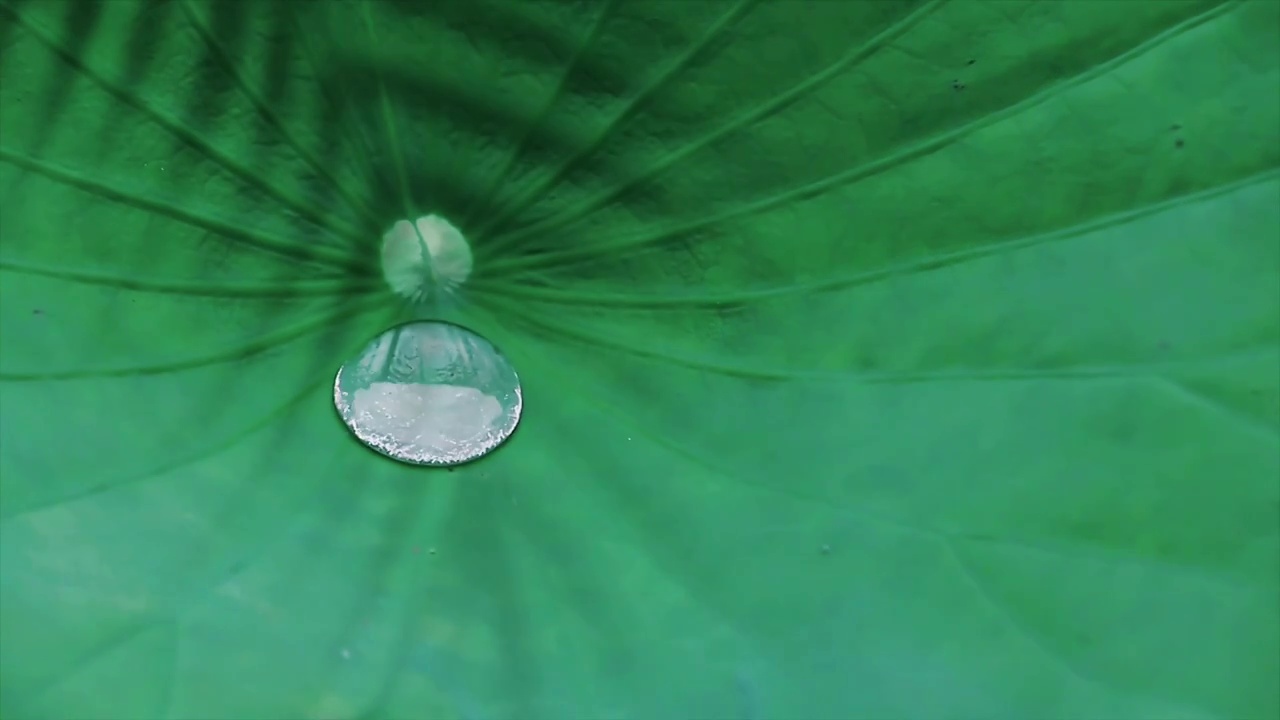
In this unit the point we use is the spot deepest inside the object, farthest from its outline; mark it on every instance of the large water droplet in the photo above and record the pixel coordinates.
(429, 393)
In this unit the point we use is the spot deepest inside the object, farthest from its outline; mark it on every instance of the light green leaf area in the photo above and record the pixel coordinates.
(881, 359)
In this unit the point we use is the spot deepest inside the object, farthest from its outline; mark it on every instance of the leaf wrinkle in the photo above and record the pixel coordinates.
(895, 157)
(185, 134)
(111, 191)
(634, 104)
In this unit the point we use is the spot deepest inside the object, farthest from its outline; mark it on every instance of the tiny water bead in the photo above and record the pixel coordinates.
(426, 256)
(429, 393)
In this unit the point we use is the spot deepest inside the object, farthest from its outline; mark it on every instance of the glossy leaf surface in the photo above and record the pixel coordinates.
(880, 359)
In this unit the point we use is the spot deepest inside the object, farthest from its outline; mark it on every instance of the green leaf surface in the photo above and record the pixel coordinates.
(881, 359)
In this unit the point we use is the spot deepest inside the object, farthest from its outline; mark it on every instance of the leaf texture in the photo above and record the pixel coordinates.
(893, 359)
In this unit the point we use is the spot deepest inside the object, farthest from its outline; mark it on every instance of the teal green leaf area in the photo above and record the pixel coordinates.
(880, 359)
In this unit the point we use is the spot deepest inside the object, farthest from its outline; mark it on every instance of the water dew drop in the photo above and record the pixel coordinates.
(429, 393)
(424, 258)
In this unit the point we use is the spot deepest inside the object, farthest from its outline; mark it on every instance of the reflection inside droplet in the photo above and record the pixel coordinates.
(429, 393)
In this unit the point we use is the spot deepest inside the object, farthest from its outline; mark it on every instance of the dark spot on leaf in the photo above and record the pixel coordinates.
(957, 85)
(1175, 127)
(37, 311)
(1179, 143)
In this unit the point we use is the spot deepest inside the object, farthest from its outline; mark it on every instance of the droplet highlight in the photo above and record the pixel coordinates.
(429, 393)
